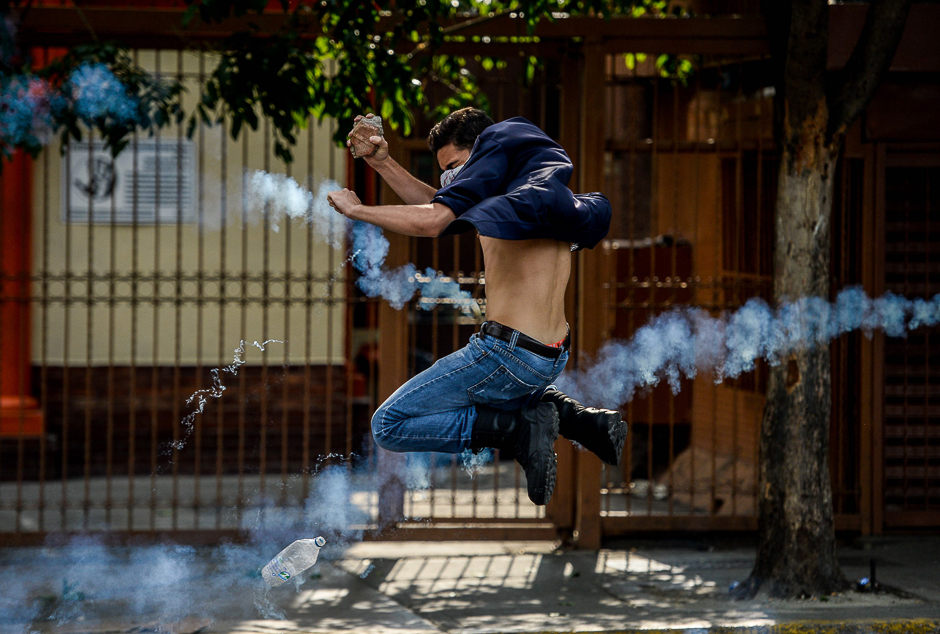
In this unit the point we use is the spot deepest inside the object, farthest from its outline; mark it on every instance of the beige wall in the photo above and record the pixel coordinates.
(167, 334)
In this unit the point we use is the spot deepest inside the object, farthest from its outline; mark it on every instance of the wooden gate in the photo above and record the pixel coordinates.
(911, 375)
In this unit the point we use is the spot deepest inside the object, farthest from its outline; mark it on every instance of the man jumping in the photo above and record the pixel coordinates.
(508, 181)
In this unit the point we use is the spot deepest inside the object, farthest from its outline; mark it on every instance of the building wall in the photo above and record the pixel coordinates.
(229, 240)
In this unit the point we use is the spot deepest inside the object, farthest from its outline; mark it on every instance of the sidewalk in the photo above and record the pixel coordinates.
(420, 587)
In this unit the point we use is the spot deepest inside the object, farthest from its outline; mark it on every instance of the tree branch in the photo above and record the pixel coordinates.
(454, 28)
(777, 17)
(803, 97)
(852, 88)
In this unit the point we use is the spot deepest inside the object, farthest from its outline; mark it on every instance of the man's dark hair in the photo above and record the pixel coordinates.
(461, 127)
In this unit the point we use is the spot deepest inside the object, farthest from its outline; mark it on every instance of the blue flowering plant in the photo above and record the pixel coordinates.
(95, 87)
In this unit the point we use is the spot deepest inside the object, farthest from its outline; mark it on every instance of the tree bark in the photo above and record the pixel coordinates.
(796, 550)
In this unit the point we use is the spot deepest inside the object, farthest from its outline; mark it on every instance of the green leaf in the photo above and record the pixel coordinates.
(189, 15)
(285, 79)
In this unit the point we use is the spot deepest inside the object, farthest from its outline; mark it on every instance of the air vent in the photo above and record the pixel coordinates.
(148, 183)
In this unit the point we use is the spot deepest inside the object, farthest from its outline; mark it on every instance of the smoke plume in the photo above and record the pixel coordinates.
(280, 196)
(686, 341)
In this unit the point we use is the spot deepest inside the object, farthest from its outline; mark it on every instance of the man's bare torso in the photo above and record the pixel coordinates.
(525, 285)
(525, 279)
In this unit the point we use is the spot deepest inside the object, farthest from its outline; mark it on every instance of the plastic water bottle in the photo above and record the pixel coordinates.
(292, 561)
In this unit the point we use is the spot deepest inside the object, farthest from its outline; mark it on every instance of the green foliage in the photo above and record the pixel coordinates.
(678, 68)
(151, 102)
(332, 58)
(158, 100)
(279, 83)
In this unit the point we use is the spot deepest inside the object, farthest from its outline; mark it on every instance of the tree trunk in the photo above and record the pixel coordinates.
(796, 553)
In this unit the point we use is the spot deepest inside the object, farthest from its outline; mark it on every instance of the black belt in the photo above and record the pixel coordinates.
(496, 329)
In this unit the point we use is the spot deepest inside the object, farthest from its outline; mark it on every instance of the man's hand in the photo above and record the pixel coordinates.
(343, 201)
(381, 153)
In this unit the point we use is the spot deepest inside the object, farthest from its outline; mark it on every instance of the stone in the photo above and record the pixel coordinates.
(359, 137)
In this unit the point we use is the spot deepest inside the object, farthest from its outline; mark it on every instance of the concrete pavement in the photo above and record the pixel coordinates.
(483, 587)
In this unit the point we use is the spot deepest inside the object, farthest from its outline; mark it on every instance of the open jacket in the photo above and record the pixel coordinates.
(514, 186)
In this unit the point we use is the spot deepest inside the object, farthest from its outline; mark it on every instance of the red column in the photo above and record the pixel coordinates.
(19, 413)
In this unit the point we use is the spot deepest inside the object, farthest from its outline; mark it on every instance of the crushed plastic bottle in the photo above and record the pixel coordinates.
(292, 561)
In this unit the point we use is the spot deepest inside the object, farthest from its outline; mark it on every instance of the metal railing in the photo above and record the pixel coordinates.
(146, 274)
(132, 311)
(691, 172)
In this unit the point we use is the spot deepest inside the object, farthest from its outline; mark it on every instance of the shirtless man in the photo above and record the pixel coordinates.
(508, 182)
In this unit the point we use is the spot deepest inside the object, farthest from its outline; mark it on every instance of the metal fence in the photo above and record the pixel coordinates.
(912, 416)
(148, 271)
(445, 491)
(691, 170)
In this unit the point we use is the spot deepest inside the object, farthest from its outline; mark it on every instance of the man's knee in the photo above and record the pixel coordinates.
(380, 430)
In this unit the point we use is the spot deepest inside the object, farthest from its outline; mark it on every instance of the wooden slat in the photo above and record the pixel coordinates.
(912, 431)
(911, 411)
(901, 370)
(52, 539)
(913, 390)
(730, 148)
(912, 519)
(507, 531)
(912, 451)
(561, 508)
(592, 314)
(157, 27)
(458, 531)
(876, 286)
(911, 471)
(393, 358)
(620, 525)
(867, 348)
(614, 525)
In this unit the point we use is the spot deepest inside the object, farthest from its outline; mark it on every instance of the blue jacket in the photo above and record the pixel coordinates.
(514, 186)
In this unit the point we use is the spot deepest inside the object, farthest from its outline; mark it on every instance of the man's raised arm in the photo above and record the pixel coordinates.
(411, 220)
(408, 188)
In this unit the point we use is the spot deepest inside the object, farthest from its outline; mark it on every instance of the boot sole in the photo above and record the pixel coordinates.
(608, 449)
(617, 432)
(552, 470)
(553, 465)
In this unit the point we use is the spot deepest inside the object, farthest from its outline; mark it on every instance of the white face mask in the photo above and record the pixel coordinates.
(448, 176)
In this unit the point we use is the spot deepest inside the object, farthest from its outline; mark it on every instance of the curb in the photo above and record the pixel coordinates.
(899, 626)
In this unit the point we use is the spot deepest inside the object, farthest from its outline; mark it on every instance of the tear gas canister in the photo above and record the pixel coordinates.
(292, 561)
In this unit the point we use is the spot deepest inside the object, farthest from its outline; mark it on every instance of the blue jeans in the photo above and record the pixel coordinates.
(435, 410)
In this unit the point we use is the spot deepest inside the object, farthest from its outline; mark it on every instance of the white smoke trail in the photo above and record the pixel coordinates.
(686, 341)
(280, 196)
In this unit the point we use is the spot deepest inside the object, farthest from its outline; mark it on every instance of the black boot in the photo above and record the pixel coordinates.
(601, 431)
(529, 435)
